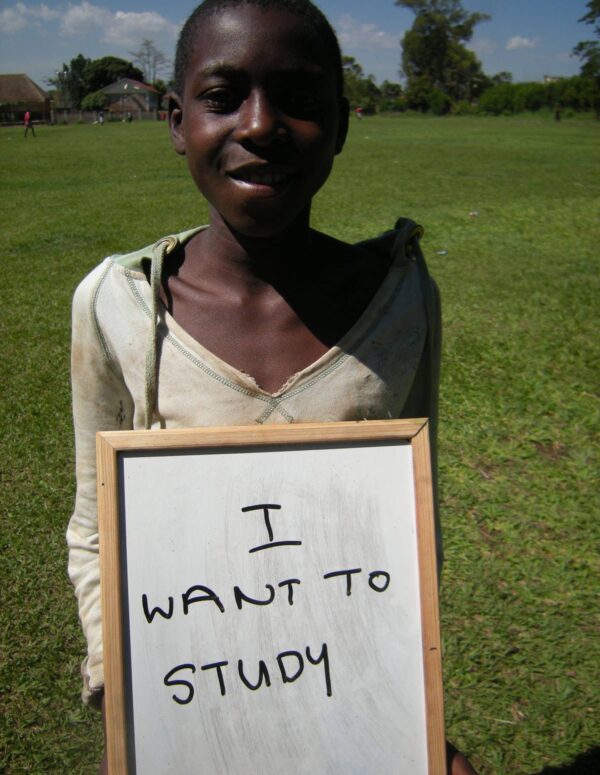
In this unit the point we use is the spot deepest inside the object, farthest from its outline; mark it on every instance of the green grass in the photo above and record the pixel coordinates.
(520, 410)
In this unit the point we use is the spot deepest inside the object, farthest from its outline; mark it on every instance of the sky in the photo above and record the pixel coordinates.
(528, 38)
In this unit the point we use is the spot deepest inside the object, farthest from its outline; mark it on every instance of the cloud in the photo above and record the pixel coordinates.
(20, 15)
(519, 42)
(120, 28)
(11, 20)
(82, 17)
(354, 34)
(126, 28)
(40, 12)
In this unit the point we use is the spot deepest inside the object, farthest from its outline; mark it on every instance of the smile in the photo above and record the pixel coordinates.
(257, 177)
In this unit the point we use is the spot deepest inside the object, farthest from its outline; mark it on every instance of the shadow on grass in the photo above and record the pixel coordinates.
(587, 763)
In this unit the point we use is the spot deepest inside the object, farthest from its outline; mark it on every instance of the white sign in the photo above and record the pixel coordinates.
(273, 615)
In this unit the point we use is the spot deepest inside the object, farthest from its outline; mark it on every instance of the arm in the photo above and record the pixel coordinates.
(423, 398)
(100, 402)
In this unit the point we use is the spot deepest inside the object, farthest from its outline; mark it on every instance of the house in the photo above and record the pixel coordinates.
(19, 94)
(129, 96)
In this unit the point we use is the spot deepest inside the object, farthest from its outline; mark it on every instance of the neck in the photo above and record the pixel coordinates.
(252, 258)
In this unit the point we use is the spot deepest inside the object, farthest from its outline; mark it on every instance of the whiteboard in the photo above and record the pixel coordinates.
(270, 606)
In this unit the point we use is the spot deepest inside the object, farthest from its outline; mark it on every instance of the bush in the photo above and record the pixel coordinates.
(529, 96)
(464, 108)
(577, 93)
(96, 100)
(392, 106)
(439, 103)
(497, 100)
(369, 108)
(418, 95)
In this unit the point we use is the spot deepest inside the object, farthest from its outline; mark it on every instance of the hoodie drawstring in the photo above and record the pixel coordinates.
(161, 249)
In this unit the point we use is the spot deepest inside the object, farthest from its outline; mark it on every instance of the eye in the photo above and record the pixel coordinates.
(221, 99)
(301, 103)
(300, 95)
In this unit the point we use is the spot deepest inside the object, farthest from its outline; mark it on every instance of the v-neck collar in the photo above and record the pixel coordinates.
(225, 371)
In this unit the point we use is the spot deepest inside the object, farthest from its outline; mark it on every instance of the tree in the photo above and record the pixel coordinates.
(498, 99)
(391, 90)
(106, 70)
(392, 97)
(502, 77)
(433, 55)
(160, 86)
(360, 89)
(71, 82)
(588, 52)
(576, 93)
(152, 61)
(83, 76)
(96, 100)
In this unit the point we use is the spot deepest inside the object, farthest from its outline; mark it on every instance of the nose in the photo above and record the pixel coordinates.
(260, 121)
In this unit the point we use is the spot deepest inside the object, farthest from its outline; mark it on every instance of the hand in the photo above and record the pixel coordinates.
(457, 763)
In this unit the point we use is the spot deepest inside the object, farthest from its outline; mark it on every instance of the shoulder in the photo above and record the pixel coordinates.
(351, 265)
(344, 279)
(100, 284)
(115, 267)
(88, 287)
(137, 260)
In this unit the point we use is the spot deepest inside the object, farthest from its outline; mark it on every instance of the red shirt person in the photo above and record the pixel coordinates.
(28, 123)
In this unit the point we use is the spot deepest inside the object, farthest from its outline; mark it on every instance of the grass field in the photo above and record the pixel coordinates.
(519, 414)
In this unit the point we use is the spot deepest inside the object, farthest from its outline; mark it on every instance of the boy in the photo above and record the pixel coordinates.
(256, 317)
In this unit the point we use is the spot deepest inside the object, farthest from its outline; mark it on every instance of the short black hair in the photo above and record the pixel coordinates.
(315, 18)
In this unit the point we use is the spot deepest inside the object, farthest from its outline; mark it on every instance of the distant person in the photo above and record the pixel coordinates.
(101, 117)
(557, 113)
(358, 112)
(129, 117)
(28, 124)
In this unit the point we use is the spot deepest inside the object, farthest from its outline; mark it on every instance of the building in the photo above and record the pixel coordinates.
(129, 96)
(19, 94)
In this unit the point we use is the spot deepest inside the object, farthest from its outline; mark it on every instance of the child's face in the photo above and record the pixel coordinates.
(259, 119)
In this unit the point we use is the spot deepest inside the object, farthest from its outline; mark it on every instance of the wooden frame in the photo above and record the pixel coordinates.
(113, 447)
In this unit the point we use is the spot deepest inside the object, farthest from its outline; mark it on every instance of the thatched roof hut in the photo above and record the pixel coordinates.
(18, 94)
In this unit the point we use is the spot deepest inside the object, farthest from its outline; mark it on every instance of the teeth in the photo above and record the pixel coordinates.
(262, 178)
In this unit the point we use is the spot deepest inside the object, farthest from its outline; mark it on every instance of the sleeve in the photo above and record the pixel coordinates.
(423, 399)
(434, 392)
(101, 401)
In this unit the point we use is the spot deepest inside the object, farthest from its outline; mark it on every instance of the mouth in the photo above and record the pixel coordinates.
(261, 177)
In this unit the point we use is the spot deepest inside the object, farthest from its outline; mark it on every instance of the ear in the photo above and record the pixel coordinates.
(342, 125)
(176, 122)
